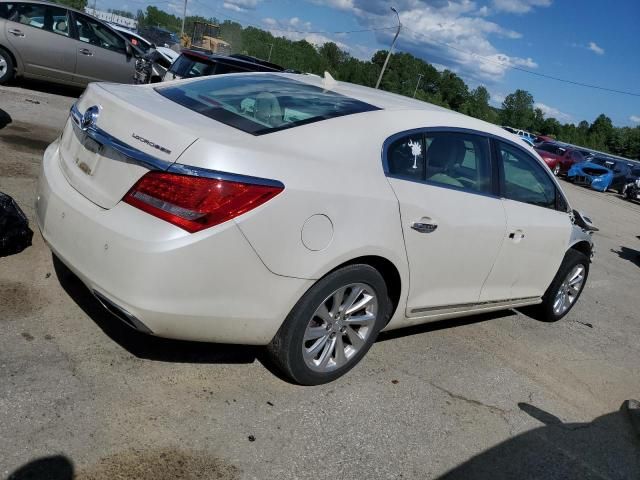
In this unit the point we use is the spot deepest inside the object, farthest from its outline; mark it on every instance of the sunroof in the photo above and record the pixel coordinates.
(260, 104)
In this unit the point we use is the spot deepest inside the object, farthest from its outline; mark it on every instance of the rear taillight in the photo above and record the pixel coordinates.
(196, 203)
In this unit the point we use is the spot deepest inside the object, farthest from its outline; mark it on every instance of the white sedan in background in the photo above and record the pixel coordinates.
(302, 214)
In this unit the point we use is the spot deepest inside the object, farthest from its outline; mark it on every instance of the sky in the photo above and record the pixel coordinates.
(585, 41)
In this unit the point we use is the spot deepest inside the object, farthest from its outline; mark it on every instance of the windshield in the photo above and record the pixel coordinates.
(260, 104)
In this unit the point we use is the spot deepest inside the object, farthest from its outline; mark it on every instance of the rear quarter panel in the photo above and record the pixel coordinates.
(326, 171)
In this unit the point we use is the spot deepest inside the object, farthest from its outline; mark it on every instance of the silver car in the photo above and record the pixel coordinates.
(50, 42)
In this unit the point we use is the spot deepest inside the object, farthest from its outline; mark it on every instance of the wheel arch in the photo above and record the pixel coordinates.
(13, 57)
(389, 272)
(583, 247)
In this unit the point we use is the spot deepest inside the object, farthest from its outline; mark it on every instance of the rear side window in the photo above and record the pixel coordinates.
(525, 180)
(405, 157)
(4, 9)
(45, 17)
(94, 33)
(262, 103)
(188, 67)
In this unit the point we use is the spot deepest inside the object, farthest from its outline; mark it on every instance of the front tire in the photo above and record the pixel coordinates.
(7, 69)
(565, 289)
(332, 326)
(556, 170)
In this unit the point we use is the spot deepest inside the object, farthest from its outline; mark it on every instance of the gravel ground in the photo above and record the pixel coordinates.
(494, 396)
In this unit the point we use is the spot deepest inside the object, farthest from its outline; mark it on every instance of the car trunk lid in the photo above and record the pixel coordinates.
(130, 134)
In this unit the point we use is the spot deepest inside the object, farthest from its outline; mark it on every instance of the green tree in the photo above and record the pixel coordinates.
(453, 90)
(517, 110)
(477, 105)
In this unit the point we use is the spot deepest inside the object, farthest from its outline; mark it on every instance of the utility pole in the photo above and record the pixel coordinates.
(270, 51)
(184, 15)
(417, 85)
(384, 67)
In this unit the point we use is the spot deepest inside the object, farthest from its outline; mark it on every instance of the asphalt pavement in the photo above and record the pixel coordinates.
(494, 396)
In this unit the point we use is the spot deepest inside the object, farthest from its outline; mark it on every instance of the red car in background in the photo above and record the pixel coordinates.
(557, 157)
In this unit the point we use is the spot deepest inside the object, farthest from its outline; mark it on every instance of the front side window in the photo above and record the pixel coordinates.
(259, 104)
(525, 180)
(45, 17)
(94, 33)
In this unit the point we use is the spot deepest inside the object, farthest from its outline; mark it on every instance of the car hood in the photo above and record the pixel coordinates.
(544, 153)
(594, 167)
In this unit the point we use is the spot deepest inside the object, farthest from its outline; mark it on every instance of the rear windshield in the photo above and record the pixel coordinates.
(260, 104)
(187, 66)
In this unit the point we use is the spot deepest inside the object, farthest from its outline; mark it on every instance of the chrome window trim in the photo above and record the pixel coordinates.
(153, 163)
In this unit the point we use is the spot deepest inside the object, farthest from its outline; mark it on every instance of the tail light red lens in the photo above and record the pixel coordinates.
(195, 203)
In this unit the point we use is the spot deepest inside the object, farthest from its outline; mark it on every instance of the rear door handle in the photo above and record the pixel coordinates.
(86, 51)
(423, 227)
(16, 32)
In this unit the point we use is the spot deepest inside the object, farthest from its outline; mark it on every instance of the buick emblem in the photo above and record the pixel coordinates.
(90, 117)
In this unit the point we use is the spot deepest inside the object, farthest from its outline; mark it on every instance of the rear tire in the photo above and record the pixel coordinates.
(7, 68)
(332, 326)
(565, 289)
(556, 170)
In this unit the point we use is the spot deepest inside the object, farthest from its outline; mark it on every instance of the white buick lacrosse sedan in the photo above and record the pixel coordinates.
(302, 214)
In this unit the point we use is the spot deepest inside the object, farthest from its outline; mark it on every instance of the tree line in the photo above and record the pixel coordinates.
(410, 76)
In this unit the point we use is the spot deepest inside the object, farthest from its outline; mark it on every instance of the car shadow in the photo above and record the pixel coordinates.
(5, 119)
(57, 467)
(629, 254)
(48, 87)
(147, 346)
(607, 447)
(443, 324)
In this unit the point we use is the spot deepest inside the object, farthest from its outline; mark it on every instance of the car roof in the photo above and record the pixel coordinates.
(243, 61)
(51, 3)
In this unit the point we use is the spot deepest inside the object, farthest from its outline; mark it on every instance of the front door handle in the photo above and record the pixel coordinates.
(516, 235)
(86, 51)
(423, 227)
(16, 32)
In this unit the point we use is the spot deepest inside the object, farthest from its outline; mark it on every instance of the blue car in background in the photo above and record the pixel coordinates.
(527, 140)
(600, 173)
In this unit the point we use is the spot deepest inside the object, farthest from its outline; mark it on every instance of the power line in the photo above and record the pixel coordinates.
(515, 67)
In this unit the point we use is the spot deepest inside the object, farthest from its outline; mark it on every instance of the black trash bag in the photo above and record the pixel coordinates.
(15, 234)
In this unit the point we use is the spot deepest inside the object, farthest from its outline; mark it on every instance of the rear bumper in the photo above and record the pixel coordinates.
(209, 286)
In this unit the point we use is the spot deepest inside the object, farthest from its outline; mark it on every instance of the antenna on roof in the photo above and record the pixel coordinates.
(328, 81)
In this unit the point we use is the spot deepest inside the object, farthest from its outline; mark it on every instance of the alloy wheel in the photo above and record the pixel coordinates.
(556, 170)
(340, 327)
(569, 290)
(3, 67)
